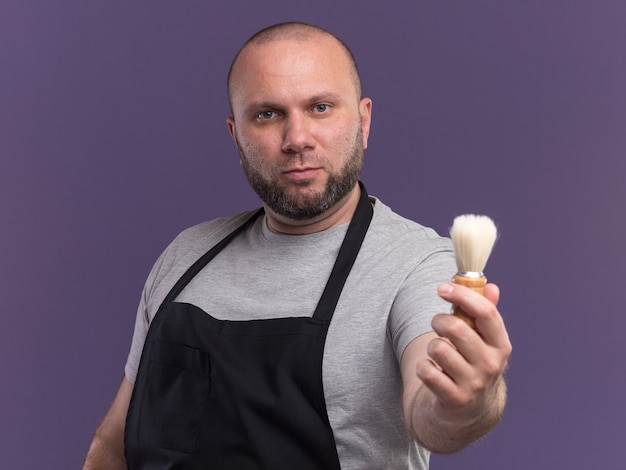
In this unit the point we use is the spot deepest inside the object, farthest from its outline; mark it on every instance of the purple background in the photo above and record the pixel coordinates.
(113, 139)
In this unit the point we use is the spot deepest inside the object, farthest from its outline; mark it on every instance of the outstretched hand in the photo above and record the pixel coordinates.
(460, 392)
(465, 365)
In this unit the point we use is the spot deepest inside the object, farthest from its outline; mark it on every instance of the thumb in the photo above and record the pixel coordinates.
(492, 292)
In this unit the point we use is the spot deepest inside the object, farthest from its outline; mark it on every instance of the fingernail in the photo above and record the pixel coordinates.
(445, 288)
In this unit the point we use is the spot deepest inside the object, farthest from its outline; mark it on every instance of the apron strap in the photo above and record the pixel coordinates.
(345, 259)
(204, 260)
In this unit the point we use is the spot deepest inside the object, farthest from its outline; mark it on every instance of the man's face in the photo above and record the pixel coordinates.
(298, 124)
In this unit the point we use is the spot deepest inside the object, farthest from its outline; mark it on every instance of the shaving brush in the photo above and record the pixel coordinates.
(473, 237)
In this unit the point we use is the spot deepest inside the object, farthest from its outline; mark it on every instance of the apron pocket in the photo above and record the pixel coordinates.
(175, 396)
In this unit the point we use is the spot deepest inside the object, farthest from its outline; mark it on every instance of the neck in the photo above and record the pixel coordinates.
(338, 214)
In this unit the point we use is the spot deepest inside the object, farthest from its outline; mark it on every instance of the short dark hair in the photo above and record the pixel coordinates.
(298, 31)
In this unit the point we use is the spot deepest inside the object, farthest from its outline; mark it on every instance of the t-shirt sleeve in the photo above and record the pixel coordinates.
(139, 337)
(142, 322)
(417, 300)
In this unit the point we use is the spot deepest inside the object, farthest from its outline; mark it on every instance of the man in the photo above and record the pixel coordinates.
(300, 336)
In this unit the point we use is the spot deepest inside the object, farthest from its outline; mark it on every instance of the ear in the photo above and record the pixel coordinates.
(230, 123)
(365, 110)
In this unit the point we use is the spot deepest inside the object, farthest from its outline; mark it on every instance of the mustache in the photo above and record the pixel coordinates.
(289, 162)
(303, 160)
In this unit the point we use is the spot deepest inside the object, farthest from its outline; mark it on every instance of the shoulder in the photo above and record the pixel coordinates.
(190, 245)
(389, 226)
(403, 252)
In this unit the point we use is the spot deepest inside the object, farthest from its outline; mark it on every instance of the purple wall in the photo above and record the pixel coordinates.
(112, 139)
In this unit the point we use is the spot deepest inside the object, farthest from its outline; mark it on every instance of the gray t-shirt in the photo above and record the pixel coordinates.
(388, 300)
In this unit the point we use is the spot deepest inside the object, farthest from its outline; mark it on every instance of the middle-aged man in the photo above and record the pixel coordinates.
(309, 334)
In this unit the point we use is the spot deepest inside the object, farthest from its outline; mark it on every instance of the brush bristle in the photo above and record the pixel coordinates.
(473, 237)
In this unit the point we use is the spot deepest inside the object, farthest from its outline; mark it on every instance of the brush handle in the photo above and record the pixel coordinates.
(477, 284)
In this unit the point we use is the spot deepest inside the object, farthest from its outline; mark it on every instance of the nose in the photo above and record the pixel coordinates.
(297, 135)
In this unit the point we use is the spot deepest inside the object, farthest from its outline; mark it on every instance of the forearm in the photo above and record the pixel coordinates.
(106, 452)
(107, 448)
(446, 429)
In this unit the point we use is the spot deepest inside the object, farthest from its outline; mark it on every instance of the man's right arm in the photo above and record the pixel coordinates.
(107, 447)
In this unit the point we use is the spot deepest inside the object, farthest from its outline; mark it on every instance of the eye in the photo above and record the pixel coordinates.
(265, 115)
(321, 108)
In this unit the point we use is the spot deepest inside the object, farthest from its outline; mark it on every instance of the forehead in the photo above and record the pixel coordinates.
(292, 67)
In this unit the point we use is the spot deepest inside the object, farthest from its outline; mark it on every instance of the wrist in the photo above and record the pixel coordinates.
(446, 428)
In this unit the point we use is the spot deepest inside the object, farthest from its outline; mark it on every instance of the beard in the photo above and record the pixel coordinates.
(303, 207)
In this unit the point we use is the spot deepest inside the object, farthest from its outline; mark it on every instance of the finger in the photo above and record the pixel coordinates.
(472, 366)
(448, 358)
(480, 358)
(458, 294)
(489, 322)
(431, 375)
(445, 390)
(467, 341)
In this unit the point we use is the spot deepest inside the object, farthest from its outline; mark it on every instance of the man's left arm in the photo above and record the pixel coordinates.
(454, 388)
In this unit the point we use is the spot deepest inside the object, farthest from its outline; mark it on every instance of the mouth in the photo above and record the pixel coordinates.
(299, 174)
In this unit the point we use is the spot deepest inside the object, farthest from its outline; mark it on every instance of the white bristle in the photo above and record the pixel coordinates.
(473, 237)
